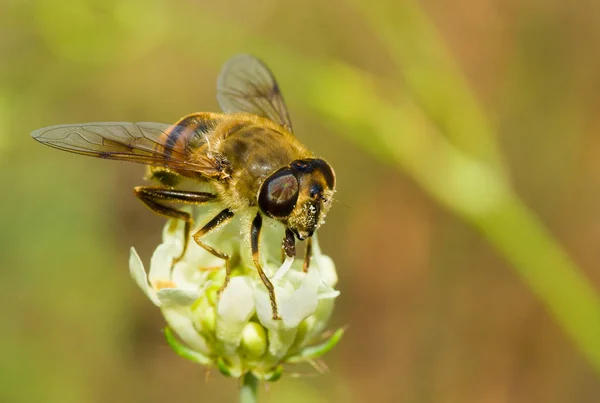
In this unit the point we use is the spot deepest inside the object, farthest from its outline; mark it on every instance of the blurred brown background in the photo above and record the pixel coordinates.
(435, 314)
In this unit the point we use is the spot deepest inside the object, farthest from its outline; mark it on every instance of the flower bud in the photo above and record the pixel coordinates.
(254, 341)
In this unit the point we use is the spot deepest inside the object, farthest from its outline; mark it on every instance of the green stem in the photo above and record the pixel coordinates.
(249, 389)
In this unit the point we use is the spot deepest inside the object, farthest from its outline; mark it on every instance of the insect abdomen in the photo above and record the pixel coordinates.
(189, 133)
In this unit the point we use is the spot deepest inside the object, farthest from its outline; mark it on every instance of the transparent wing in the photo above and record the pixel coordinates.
(246, 84)
(145, 142)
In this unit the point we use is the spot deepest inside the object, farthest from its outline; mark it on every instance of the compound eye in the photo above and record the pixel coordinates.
(327, 172)
(279, 194)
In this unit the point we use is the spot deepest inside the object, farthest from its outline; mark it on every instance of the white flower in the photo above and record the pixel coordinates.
(235, 330)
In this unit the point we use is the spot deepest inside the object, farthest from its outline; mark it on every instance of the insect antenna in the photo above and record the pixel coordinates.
(335, 200)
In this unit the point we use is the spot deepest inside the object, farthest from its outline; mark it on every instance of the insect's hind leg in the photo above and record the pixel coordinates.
(152, 196)
(221, 218)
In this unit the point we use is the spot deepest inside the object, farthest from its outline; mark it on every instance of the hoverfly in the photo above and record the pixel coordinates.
(248, 154)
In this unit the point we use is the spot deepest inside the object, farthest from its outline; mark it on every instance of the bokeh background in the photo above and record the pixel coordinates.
(465, 139)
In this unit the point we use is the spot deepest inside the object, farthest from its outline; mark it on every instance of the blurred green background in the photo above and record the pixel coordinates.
(465, 139)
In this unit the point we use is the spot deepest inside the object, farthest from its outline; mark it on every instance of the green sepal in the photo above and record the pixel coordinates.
(313, 352)
(223, 368)
(184, 351)
(275, 375)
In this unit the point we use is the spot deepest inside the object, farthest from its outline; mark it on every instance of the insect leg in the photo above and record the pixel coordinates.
(150, 196)
(254, 242)
(289, 245)
(222, 217)
(307, 255)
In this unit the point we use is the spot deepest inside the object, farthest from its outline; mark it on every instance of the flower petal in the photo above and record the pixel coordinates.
(329, 294)
(281, 340)
(236, 306)
(173, 231)
(188, 276)
(264, 310)
(136, 268)
(320, 318)
(177, 297)
(302, 302)
(161, 262)
(295, 300)
(326, 270)
(287, 264)
(179, 320)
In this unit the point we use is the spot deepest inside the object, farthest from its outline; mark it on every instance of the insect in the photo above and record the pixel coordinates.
(248, 154)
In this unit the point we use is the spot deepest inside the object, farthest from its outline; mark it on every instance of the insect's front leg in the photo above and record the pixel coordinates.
(307, 255)
(288, 247)
(254, 242)
(221, 218)
(152, 197)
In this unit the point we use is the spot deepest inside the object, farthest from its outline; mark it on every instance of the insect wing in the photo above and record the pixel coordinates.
(246, 84)
(144, 142)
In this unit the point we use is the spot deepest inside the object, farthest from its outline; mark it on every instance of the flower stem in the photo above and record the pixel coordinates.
(249, 389)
